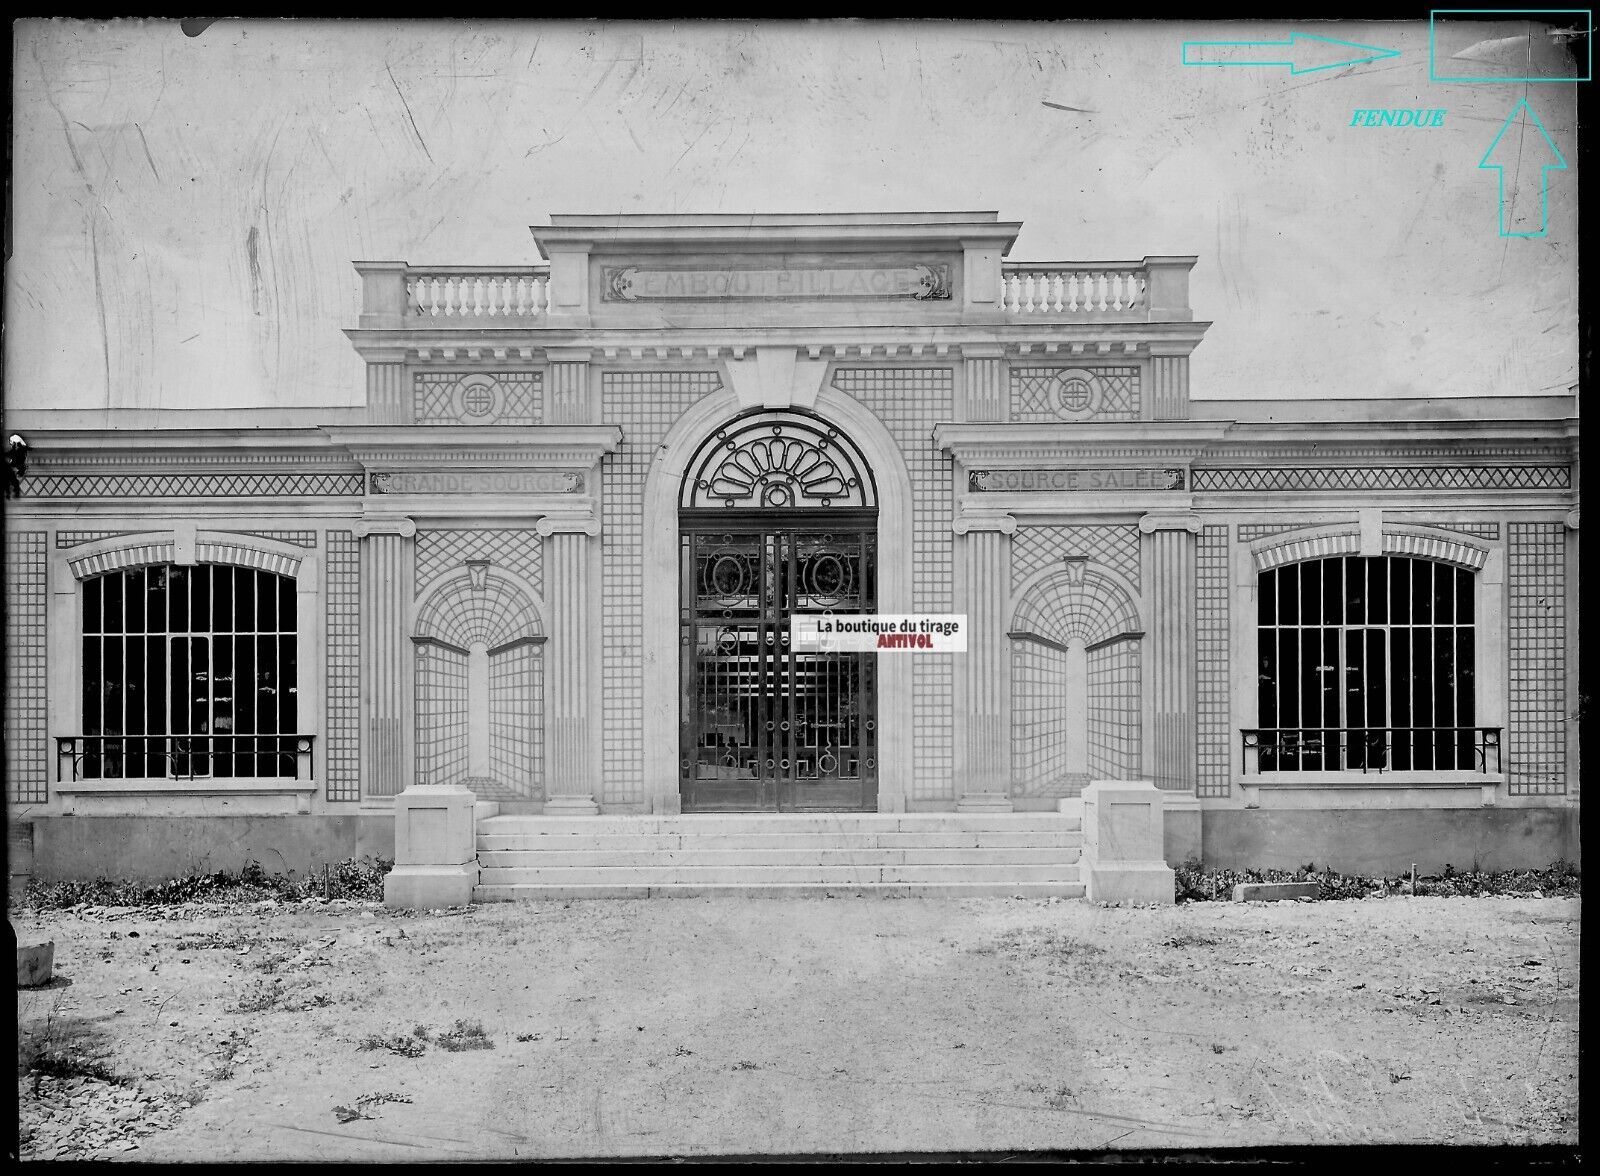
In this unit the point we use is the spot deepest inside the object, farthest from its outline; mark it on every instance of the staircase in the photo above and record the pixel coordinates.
(772, 855)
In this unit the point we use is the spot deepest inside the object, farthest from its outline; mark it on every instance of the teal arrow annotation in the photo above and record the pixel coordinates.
(1302, 53)
(1506, 153)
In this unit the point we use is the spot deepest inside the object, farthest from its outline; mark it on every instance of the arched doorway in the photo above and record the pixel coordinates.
(777, 516)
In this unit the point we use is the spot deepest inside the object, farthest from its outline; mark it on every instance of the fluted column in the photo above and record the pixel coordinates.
(566, 396)
(1170, 688)
(983, 711)
(570, 777)
(387, 760)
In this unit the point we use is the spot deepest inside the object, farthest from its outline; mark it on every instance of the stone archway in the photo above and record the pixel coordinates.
(662, 686)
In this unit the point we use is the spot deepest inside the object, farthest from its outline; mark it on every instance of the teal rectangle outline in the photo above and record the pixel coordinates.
(1489, 13)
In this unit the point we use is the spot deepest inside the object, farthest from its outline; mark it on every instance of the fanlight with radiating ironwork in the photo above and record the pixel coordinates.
(778, 461)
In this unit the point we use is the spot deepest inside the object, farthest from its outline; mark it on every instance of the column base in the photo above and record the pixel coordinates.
(984, 802)
(891, 802)
(571, 806)
(1128, 883)
(430, 887)
(668, 804)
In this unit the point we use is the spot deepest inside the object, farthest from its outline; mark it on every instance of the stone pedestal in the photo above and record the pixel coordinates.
(1123, 832)
(435, 848)
(571, 806)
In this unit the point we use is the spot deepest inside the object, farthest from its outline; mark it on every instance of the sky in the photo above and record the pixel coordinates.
(185, 209)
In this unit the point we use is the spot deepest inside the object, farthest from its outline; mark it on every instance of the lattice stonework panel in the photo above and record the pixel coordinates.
(1476, 530)
(1528, 477)
(516, 725)
(342, 752)
(1114, 712)
(1213, 777)
(1033, 548)
(1075, 393)
(478, 398)
(1038, 722)
(190, 485)
(442, 552)
(1250, 532)
(298, 538)
(646, 405)
(1537, 751)
(909, 402)
(27, 760)
(65, 539)
(442, 727)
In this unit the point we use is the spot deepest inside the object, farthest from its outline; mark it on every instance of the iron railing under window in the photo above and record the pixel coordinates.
(1372, 749)
(183, 757)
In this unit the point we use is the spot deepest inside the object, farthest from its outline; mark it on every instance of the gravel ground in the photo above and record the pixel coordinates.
(726, 1026)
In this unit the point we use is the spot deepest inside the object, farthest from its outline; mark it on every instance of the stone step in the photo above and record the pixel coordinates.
(705, 853)
(524, 892)
(718, 824)
(576, 840)
(747, 874)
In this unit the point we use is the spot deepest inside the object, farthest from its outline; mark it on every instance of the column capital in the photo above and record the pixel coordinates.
(399, 525)
(568, 525)
(1572, 519)
(969, 521)
(1161, 520)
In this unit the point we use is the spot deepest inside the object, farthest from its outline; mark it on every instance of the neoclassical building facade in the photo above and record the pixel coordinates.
(554, 558)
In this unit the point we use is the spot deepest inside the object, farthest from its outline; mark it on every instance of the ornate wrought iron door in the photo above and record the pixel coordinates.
(766, 728)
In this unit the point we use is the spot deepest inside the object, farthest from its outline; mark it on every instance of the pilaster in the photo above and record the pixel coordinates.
(983, 674)
(986, 387)
(1168, 559)
(389, 398)
(1169, 385)
(567, 398)
(387, 571)
(571, 756)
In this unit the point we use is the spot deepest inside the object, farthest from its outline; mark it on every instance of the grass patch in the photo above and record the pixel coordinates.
(397, 1043)
(358, 879)
(65, 1047)
(464, 1035)
(1194, 883)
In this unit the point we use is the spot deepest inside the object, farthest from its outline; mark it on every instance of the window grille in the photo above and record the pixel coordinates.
(1367, 663)
(189, 672)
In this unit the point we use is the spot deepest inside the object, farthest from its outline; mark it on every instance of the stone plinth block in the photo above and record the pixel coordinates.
(1181, 820)
(435, 847)
(36, 961)
(984, 802)
(1273, 891)
(1123, 834)
(571, 806)
(434, 826)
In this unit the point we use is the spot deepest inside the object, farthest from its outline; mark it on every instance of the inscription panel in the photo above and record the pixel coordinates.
(633, 283)
(477, 482)
(1034, 481)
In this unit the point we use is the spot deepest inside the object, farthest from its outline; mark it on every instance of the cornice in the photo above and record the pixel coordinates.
(507, 445)
(524, 343)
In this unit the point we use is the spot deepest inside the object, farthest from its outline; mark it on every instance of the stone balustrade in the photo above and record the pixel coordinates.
(398, 296)
(1074, 288)
(449, 292)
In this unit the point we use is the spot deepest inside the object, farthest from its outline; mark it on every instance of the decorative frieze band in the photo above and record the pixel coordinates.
(1505, 477)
